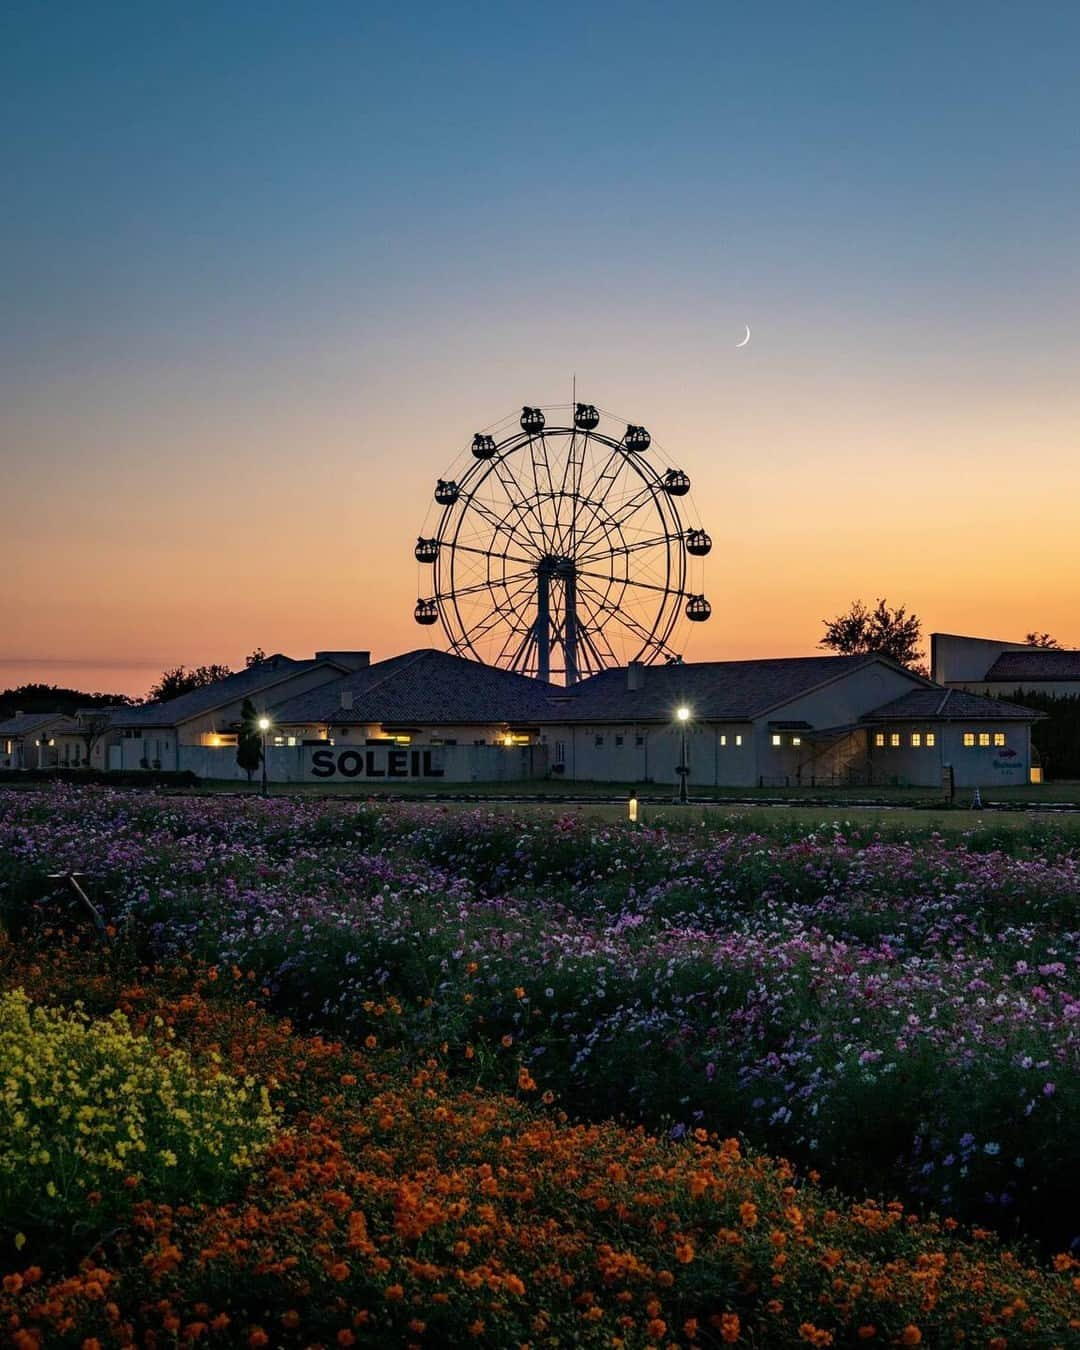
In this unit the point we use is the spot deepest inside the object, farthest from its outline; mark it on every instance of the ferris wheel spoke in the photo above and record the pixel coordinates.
(523, 505)
(658, 541)
(627, 581)
(477, 587)
(593, 631)
(496, 521)
(459, 547)
(627, 620)
(608, 479)
(622, 514)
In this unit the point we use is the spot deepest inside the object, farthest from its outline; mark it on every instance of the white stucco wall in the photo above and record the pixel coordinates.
(958, 660)
(380, 766)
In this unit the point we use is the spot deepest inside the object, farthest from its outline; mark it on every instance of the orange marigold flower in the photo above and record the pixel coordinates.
(690, 1328)
(417, 1327)
(12, 1284)
(748, 1213)
(371, 1042)
(519, 992)
(548, 1097)
(684, 1253)
(526, 1082)
(257, 1337)
(1063, 1261)
(345, 1337)
(476, 1328)
(348, 1080)
(911, 1335)
(656, 1328)
(513, 1285)
(91, 1343)
(290, 1319)
(507, 1041)
(665, 1279)
(339, 1271)
(867, 1332)
(729, 1327)
(395, 1293)
(998, 1343)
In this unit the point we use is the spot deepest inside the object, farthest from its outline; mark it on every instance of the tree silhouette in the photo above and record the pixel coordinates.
(249, 741)
(1046, 640)
(179, 681)
(880, 631)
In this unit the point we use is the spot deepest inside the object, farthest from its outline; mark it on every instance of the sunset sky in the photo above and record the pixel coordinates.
(265, 268)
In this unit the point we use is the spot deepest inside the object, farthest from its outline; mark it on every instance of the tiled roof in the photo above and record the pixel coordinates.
(949, 705)
(722, 691)
(27, 723)
(1034, 664)
(255, 679)
(426, 686)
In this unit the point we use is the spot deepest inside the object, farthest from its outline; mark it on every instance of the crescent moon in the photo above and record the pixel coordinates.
(746, 339)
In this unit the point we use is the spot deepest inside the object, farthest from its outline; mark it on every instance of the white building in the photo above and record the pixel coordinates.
(989, 666)
(803, 721)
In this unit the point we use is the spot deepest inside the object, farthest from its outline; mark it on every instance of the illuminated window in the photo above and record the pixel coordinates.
(916, 738)
(777, 740)
(931, 739)
(999, 738)
(879, 739)
(894, 740)
(969, 738)
(796, 740)
(723, 740)
(738, 740)
(984, 738)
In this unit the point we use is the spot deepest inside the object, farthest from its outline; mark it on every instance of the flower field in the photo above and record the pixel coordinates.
(456, 1078)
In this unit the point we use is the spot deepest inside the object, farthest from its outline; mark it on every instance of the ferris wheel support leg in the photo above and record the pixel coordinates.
(542, 624)
(570, 637)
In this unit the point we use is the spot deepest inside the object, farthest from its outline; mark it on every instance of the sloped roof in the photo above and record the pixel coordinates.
(25, 724)
(425, 686)
(253, 680)
(722, 691)
(949, 705)
(1034, 664)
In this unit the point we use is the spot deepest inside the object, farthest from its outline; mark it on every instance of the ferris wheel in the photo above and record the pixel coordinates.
(558, 548)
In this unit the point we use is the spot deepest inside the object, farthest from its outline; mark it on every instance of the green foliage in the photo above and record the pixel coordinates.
(179, 680)
(1057, 739)
(48, 698)
(879, 631)
(94, 1116)
(249, 742)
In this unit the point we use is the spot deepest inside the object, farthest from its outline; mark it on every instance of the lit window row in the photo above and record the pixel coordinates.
(778, 740)
(736, 740)
(895, 739)
(984, 738)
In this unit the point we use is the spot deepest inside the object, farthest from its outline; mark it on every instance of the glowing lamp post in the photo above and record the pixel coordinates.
(682, 716)
(264, 727)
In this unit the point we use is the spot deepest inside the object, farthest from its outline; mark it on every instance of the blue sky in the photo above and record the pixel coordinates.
(241, 243)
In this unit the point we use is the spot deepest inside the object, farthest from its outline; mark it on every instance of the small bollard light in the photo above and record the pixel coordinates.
(631, 808)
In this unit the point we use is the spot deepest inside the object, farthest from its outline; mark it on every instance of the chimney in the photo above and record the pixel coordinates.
(635, 676)
(346, 699)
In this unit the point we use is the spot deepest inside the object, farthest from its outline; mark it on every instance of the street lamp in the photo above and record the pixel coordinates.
(264, 727)
(682, 716)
